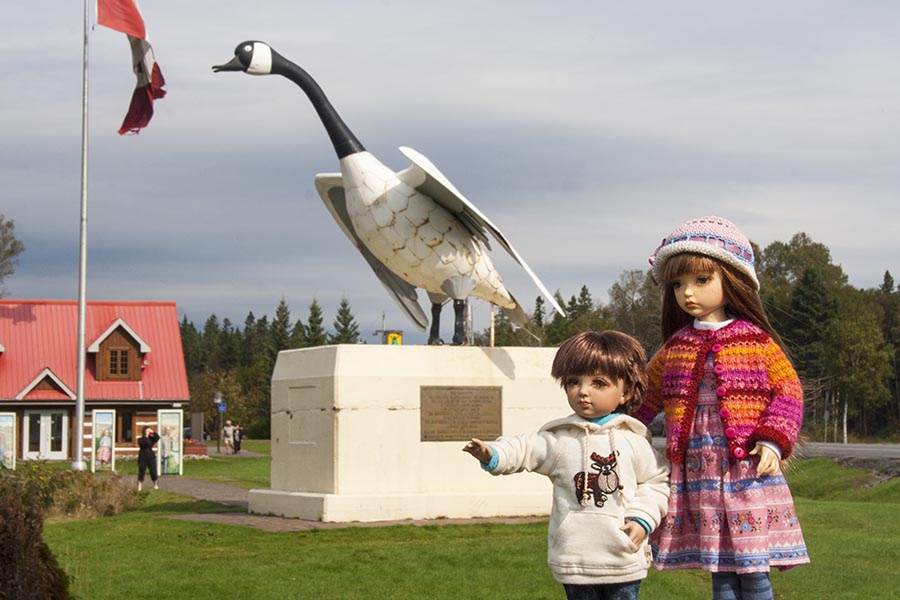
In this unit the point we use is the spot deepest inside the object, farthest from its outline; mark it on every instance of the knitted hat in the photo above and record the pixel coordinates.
(710, 236)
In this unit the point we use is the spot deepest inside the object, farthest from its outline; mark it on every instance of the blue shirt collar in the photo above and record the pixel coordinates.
(604, 419)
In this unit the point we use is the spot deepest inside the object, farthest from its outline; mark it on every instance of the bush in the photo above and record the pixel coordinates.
(258, 429)
(82, 495)
(30, 494)
(27, 567)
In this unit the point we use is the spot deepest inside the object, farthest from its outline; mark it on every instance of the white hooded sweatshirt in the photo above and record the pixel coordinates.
(602, 475)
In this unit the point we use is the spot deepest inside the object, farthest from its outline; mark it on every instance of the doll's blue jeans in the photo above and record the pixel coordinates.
(611, 591)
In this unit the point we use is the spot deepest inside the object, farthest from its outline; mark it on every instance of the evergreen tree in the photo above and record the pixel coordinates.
(315, 332)
(210, 346)
(887, 284)
(585, 301)
(256, 377)
(504, 335)
(346, 331)
(885, 302)
(811, 308)
(573, 308)
(298, 335)
(279, 332)
(635, 307)
(555, 330)
(229, 345)
(190, 344)
(250, 345)
(781, 266)
(537, 317)
(262, 333)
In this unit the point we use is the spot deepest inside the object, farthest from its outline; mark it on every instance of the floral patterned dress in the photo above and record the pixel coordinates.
(722, 515)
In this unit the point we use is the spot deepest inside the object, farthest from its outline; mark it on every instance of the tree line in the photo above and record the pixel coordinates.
(843, 340)
(238, 362)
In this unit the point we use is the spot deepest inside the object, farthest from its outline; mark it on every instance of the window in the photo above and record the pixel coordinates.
(126, 427)
(118, 363)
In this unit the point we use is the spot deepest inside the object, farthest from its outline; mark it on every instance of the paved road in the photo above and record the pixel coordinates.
(829, 450)
(867, 451)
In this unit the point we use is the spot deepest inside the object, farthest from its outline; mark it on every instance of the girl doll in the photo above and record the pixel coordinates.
(733, 409)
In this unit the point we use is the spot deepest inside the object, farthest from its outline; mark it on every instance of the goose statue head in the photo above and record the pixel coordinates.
(253, 58)
(413, 227)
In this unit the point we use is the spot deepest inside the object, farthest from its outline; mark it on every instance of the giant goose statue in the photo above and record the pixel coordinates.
(414, 228)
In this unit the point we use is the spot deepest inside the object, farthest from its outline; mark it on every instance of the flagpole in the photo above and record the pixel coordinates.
(78, 463)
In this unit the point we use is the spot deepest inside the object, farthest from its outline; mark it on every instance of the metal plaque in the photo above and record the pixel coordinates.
(459, 413)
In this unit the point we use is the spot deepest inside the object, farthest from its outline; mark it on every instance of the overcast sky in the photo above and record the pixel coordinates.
(586, 131)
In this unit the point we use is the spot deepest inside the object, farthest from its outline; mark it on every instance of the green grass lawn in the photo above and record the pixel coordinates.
(247, 473)
(851, 532)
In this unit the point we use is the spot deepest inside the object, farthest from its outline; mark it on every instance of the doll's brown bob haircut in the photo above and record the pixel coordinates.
(609, 353)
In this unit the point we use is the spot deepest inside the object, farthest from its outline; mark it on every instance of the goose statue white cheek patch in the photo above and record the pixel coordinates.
(261, 63)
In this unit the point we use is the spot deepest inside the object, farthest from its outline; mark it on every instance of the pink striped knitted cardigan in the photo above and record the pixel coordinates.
(760, 397)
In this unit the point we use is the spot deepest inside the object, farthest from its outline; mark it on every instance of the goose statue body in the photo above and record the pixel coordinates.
(413, 227)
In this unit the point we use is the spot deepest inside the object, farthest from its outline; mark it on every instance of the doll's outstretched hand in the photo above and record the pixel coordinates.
(769, 463)
(479, 450)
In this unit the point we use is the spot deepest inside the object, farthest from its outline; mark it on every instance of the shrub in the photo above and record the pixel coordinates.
(258, 429)
(82, 495)
(30, 494)
(27, 567)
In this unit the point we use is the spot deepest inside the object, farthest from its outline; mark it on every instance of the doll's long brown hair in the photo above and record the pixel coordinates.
(741, 297)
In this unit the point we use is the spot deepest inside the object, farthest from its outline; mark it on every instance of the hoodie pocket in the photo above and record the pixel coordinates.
(593, 541)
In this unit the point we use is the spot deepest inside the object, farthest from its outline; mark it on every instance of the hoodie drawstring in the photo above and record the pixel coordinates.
(585, 465)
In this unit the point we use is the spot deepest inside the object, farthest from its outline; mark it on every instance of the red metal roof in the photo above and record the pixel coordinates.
(43, 334)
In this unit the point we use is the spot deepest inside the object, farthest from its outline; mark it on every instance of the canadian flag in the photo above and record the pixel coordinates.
(124, 16)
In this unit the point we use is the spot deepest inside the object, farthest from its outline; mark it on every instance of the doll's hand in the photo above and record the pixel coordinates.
(769, 463)
(635, 532)
(479, 450)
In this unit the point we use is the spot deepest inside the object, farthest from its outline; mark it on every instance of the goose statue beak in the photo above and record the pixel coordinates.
(234, 64)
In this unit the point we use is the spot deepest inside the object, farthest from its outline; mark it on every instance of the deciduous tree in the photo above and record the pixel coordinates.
(10, 249)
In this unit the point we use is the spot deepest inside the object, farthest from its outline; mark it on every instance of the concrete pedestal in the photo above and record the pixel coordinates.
(347, 440)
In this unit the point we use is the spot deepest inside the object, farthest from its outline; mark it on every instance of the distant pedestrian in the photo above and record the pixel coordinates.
(147, 457)
(228, 437)
(238, 435)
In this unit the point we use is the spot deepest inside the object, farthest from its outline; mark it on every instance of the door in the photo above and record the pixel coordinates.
(45, 434)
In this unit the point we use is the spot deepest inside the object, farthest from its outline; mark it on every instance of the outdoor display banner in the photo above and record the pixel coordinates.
(8, 440)
(169, 451)
(103, 440)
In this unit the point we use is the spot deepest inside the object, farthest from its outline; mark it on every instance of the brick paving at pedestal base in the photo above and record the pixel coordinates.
(233, 496)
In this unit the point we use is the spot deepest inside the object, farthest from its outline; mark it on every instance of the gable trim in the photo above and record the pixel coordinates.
(95, 347)
(43, 375)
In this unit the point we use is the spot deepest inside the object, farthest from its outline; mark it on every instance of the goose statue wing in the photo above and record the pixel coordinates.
(423, 176)
(331, 189)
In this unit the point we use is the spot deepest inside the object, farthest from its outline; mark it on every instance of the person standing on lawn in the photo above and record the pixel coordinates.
(733, 408)
(147, 457)
(610, 486)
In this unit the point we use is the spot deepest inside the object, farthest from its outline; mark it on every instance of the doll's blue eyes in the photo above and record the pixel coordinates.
(702, 280)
